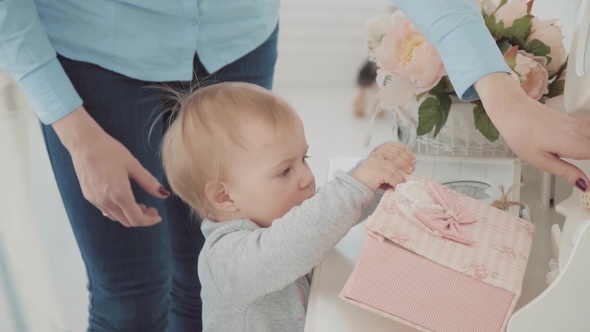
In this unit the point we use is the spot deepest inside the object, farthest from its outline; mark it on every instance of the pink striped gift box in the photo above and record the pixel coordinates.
(440, 261)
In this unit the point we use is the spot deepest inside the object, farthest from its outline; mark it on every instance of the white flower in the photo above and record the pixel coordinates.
(511, 11)
(398, 15)
(551, 35)
(377, 27)
(489, 6)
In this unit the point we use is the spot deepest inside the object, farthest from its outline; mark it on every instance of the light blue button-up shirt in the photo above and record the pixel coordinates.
(155, 40)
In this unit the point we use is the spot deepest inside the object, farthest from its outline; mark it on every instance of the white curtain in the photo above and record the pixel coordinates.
(28, 300)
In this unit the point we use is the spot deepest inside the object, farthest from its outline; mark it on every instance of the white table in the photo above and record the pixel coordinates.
(325, 311)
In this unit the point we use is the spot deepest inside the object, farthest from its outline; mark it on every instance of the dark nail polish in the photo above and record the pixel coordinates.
(581, 184)
(163, 191)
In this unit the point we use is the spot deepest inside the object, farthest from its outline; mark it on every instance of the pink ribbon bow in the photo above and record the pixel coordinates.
(448, 222)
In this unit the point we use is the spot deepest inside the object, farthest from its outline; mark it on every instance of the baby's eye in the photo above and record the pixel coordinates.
(286, 171)
(305, 159)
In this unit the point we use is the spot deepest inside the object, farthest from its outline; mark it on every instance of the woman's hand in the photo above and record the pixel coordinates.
(104, 166)
(537, 134)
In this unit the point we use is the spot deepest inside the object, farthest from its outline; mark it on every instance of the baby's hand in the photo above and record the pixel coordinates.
(386, 167)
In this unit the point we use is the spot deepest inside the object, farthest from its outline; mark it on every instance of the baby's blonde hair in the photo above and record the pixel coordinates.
(195, 147)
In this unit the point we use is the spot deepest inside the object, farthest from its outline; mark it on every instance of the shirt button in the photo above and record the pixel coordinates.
(193, 22)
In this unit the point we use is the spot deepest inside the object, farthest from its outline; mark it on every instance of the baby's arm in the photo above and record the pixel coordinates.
(251, 262)
(394, 152)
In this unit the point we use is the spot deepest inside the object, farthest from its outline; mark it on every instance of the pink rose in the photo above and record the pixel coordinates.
(511, 11)
(404, 51)
(376, 28)
(479, 5)
(550, 34)
(480, 273)
(397, 91)
(533, 76)
(487, 6)
(509, 252)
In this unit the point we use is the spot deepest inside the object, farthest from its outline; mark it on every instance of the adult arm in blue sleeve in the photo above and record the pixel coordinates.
(457, 30)
(537, 134)
(29, 58)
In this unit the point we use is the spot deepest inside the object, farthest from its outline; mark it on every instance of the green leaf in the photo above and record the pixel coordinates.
(556, 88)
(484, 124)
(494, 28)
(444, 86)
(427, 115)
(418, 96)
(433, 114)
(564, 65)
(560, 70)
(537, 47)
(502, 3)
(549, 59)
(439, 89)
(520, 29)
(504, 46)
(444, 109)
(518, 42)
(449, 88)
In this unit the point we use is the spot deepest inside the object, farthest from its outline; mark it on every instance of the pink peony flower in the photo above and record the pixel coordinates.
(511, 11)
(376, 28)
(510, 253)
(489, 6)
(404, 51)
(397, 91)
(550, 34)
(480, 273)
(533, 76)
(479, 5)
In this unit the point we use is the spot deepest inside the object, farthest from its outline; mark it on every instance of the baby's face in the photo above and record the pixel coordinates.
(271, 176)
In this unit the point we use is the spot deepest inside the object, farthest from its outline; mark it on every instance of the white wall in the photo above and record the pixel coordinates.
(322, 42)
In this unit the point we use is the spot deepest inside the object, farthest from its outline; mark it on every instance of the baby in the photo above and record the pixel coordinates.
(236, 153)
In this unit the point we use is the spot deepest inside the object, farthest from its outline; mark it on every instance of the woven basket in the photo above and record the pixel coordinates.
(458, 137)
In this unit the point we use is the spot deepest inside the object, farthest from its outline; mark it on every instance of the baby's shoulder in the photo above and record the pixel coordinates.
(229, 231)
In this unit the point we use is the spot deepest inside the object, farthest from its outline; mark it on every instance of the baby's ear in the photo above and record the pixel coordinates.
(219, 197)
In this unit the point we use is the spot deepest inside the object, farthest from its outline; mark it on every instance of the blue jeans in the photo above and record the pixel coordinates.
(140, 279)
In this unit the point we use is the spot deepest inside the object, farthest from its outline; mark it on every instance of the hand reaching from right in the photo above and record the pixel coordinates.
(536, 133)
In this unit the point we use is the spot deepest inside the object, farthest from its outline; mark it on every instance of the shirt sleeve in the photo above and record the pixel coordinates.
(248, 264)
(29, 58)
(457, 29)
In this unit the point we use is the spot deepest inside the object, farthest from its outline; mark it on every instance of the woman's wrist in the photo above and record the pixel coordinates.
(76, 128)
(495, 92)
